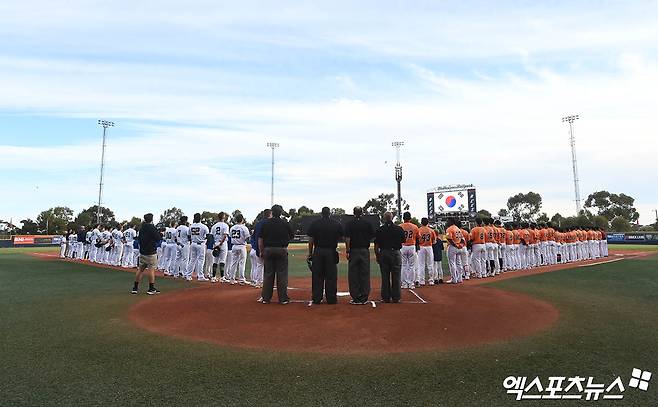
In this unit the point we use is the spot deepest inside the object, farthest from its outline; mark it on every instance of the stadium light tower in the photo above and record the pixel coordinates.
(273, 146)
(105, 124)
(574, 161)
(398, 175)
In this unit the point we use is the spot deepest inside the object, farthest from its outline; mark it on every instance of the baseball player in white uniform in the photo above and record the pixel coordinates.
(239, 238)
(105, 240)
(93, 250)
(128, 240)
(73, 242)
(88, 245)
(62, 247)
(170, 249)
(183, 254)
(117, 246)
(220, 232)
(198, 232)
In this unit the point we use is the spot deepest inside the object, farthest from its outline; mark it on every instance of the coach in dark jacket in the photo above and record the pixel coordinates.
(324, 234)
(388, 242)
(273, 242)
(148, 240)
(358, 234)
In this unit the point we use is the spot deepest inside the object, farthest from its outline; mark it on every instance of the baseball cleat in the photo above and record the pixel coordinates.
(153, 291)
(134, 291)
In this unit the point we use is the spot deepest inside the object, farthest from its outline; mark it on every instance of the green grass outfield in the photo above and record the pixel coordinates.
(66, 341)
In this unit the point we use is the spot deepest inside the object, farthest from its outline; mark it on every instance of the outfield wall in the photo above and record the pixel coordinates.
(31, 241)
(633, 238)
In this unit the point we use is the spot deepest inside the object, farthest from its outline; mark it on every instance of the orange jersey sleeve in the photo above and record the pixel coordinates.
(410, 233)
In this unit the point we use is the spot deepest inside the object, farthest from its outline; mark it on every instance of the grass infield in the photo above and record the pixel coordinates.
(66, 341)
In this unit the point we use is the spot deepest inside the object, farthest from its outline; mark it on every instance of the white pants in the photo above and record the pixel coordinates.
(438, 270)
(161, 256)
(456, 261)
(480, 259)
(603, 247)
(238, 262)
(223, 253)
(135, 253)
(105, 258)
(170, 258)
(62, 250)
(425, 262)
(207, 265)
(409, 263)
(197, 257)
(182, 258)
(127, 255)
(256, 268)
(115, 254)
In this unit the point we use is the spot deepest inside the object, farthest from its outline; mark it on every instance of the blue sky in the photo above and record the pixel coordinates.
(475, 89)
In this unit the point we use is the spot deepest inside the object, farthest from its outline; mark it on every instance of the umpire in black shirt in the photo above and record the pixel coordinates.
(388, 242)
(273, 248)
(324, 234)
(358, 234)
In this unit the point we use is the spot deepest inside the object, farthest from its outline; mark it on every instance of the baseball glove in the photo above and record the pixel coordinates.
(215, 252)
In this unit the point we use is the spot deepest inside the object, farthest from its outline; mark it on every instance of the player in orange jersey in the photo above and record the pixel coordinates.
(500, 245)
(408, 251)
(456, 259)
(491, 244)
(543, 244)
(426, 238)
(479, 248)
(466, 252)
(516, 248)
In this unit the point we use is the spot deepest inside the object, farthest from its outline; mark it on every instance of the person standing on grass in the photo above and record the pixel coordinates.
(148, 239)
(324, 234)
(388, 242)
(273, 242)
(358, 234)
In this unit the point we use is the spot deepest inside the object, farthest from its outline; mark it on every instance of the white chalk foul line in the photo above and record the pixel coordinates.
(600, 262)
(418, 296)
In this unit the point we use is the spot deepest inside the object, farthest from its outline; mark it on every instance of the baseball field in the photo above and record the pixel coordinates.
(72, 335)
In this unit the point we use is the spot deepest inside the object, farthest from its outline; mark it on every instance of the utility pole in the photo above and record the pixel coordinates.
(273, 146)
(398, 175)
(105, 124)
(574, 161)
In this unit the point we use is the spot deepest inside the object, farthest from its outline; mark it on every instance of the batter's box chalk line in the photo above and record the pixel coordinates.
(373, 304)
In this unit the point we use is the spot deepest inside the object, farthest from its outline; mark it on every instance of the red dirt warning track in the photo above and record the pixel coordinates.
(454, 317)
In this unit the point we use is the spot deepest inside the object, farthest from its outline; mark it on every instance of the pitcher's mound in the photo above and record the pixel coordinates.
(450, 317)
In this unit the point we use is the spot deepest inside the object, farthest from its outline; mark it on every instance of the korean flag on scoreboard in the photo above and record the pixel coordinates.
(456, 201)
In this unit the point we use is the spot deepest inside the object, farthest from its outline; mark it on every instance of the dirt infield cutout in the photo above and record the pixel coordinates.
(429, 318)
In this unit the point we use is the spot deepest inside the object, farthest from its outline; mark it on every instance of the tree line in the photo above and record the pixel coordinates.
(612, 212)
